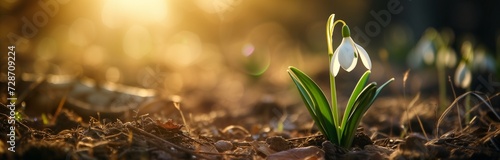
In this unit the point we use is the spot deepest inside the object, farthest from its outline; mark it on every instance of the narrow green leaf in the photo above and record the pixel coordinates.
(354, 95)
(306, 97)
(381, 87)
(318, 104)
(360, 106)
(309, 103)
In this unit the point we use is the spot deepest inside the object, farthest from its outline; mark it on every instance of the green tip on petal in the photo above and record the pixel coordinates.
(345, 31)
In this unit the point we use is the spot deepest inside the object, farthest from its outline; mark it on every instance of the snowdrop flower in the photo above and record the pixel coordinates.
(447, 57)
(463, 76)
(424, 51)
(346, 55)
(482, 61)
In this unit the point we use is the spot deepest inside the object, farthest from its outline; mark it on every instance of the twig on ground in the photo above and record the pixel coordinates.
(58, 111)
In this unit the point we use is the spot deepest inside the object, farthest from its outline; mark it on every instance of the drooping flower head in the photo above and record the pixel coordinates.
(346, 55)
(463, 75)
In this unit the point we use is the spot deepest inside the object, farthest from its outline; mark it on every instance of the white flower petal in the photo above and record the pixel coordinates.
(334, 65)
(463, 76)
(364, 57)
(467, 78)
(345, 55)
(353, 64)
(354, 55)
(426, 50)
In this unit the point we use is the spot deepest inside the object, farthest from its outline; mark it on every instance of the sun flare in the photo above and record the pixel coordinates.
(115, 12)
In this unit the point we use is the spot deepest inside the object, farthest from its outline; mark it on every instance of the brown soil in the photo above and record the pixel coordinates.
(68, 136)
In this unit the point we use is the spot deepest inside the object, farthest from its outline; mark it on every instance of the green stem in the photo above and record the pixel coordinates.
(329, 37)
(441, 44)
(467, 107)
(442, 86)
(335, 110)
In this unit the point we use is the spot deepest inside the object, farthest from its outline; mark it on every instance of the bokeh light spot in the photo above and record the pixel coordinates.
(257, 47)
(247, 49)
(112, 74)
(173, 82)
(183, 50)
(47, 48)
(41, 66)
(93, 56)
(137, 42)
(81, 32)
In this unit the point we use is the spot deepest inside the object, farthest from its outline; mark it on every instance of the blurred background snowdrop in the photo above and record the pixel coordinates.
(424, 51)
(463, 75)
(483, 61)
(473, 60)
(433, 48)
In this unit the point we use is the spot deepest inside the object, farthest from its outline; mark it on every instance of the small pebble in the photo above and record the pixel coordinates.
(223, 145)
(278, 143)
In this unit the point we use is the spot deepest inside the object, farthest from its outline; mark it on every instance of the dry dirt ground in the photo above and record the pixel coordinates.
(392, 129)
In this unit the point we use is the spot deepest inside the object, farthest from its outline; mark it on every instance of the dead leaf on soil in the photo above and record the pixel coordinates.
(262, 148)
(169, 124)
(207, 149)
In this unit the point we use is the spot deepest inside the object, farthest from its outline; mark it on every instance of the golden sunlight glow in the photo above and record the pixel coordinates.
(137, 42)
(216, 6)
(184, 49)
(81, 32)
(113, 74)
(93, 55)
(47, 48)
(116, 12)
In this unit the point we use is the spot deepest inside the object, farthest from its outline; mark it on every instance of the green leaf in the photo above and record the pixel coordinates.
(354, 95)
(360, 106)
(316, 102)
(381, 87)
(309, 103)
